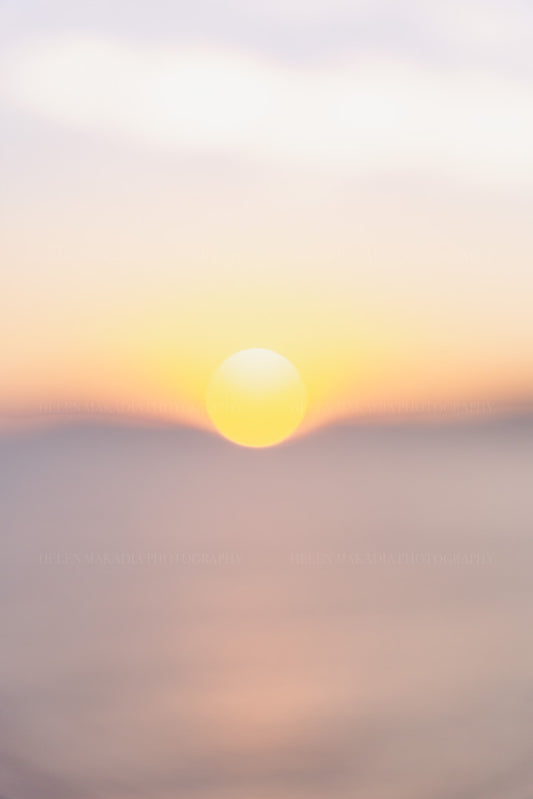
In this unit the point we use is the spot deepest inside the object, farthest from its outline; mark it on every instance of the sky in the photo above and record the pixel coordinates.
(347, 183)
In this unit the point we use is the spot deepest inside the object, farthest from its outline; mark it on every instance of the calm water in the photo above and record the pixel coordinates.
(348, 616)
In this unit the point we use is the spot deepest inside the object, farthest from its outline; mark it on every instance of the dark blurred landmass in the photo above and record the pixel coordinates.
(346, 615)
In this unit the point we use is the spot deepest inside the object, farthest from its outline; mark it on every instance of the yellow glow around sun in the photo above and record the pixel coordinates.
(256, 398)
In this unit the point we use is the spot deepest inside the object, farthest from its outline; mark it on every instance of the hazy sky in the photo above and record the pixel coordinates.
(348, 183)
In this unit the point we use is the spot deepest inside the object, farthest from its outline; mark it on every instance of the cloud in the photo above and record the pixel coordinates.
(366, 115)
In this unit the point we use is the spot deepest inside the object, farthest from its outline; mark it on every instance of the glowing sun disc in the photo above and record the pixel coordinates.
(256, 398)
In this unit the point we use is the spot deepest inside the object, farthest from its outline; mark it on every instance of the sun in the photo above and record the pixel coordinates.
(256, 398)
